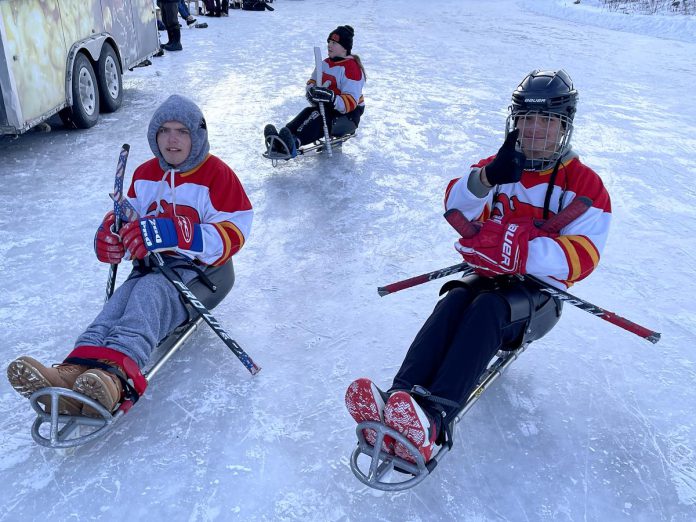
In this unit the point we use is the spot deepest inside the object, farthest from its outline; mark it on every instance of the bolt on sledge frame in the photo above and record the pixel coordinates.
(378, 473)
(317, 147)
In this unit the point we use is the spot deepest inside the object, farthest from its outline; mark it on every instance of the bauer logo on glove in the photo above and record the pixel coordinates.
(501, 247)
(506, 261)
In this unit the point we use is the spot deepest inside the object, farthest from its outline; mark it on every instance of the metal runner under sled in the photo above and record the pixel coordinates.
(59, 431)
(382, 463)
(317, 147)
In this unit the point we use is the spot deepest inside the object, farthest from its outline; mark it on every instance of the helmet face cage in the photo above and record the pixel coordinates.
(543, 138)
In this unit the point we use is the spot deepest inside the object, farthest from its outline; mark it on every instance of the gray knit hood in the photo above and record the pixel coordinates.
(181, 109)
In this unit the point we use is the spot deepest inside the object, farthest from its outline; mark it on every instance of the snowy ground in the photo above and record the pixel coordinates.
(592, 423)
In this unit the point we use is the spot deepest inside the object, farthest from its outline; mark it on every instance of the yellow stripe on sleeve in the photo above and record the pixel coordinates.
(572, 255)
(228, 249)
(574, 247)
(588, 247)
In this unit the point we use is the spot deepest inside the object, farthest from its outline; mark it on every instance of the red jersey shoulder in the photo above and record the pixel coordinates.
(226, 191)
(150, 170)
(584, 181)
(353, 70)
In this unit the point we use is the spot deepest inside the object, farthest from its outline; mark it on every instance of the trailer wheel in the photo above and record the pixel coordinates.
(109, 80)
(84, 112)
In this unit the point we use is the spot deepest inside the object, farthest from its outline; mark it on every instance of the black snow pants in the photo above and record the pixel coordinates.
(170, 11)
(477, 317)
(308, 126)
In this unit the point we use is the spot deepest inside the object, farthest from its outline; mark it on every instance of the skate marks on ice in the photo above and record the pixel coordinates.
(626, 462)
(682, 460)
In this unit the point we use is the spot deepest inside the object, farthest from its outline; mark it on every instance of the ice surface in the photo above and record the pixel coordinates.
(592, 423)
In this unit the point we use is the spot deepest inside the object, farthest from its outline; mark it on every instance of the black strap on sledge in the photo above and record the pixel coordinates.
(129, 393)
(187, 264)
(444, 435)
(143, 267)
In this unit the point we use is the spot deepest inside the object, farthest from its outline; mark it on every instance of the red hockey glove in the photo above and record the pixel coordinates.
(107, 244)
(501, 246)
(151, 234)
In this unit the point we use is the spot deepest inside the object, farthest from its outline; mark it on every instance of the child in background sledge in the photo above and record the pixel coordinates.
(534, 175)
(196, 209)
(343, 78)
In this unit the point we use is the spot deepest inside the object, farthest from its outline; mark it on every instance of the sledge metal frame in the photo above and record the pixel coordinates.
(317, 147)
(61, 427)
(382, 463)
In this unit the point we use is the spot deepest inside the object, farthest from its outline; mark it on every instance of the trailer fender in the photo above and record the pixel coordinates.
(93, 46)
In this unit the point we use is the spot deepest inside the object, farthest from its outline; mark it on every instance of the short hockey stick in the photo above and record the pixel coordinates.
(118, 194)
(424, 278)
(462, 225)
(318, 62)
(127, 210)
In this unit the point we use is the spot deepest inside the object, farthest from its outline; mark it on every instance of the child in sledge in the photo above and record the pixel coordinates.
(343, 78)
(195, 212)
(534, 175)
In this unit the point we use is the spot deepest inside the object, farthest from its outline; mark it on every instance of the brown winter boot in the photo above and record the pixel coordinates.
(27, 375)
(102, 386)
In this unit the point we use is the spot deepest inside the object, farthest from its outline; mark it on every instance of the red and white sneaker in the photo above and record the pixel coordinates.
(403, 414)
(365, 403)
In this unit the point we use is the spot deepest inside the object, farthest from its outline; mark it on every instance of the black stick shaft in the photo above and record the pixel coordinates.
(191, 298)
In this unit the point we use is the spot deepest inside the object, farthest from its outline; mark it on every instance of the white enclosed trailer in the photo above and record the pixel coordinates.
(67, 56)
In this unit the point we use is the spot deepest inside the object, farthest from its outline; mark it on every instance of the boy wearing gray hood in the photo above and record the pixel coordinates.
(193, 209)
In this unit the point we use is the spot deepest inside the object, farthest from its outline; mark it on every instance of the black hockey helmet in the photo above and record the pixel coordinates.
(547, 95)
(546, 91)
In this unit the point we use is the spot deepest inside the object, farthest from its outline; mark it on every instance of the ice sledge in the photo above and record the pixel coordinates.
(57, 431)
(316, 147)
(388, 472)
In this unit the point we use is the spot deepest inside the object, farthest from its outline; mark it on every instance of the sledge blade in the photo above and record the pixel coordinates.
(317, 147)
(274, 141)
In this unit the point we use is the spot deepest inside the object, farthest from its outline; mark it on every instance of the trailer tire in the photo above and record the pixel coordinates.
(109, 80)
(84, 111)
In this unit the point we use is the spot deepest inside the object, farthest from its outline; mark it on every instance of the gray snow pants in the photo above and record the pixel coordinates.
(142, 312)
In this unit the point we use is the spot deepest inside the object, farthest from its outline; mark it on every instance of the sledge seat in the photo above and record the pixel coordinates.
(222, 277)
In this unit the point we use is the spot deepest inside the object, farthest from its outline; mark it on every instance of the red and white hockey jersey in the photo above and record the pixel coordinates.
(576, 252)
(346, 79)
(210, 195)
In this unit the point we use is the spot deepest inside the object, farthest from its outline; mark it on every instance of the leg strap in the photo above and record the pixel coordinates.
(122, 366)
(186, 264)
(436, 405)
